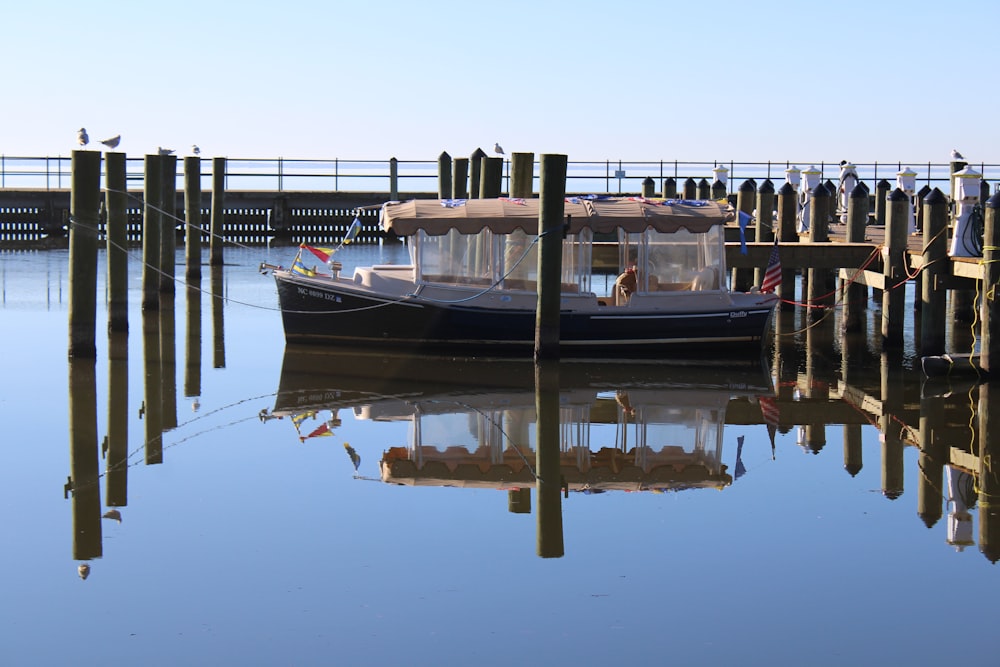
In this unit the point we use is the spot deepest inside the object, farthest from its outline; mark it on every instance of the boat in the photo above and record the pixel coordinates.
(660, 428)
(471, 283)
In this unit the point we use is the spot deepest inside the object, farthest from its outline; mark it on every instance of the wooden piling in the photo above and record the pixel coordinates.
(881, 192)
(476, 172)
(669, 188)
(690, 189)
(168, 224)
(116, 236)
(704, 189)
(933, 296)
(894, 269)
(548, 470)
(152, 189)
(168, 361)
(116, 469)
(491, 178)
(218, 221)
(764, 227)
(444, 176)
(855, 293)
(152, 388)
(522, 175)
(719, 190)
(551, 214)
(648, 187)
(819, 289)
(932, 458)
(788, 207)
(460, 187)
(192, 219)
(84, 466)
(746, 199)
(393, 179)
(989, 303)
(85, 204)
(192, 343)
(892, 382)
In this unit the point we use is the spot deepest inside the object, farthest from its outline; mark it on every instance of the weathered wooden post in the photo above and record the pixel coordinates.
(819, 288)
(933, 295)
(919, 206)
(84, 466)
(704, 189)
(648, 187)
(718, 190)
(548, 471)
(85, 207)
(444, 176)
(168, 224)
(522, 175)
(152, 189)
(894, 269)
(764, 231)
(990, 303)
(788, 209)
(393, 179)
(460, 188)
(192, 219)
(669, 188)
(475, 172)
(690, 189)
(218, 220)
(881, 192)
(745, 202)
(116, 200)
(856, 294)
(491, 178)
(551, 213)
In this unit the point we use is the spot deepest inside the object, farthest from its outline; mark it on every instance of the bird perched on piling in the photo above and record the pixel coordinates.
(81, 136)
(195, 150)
(956, 156)
(497, 148)
(113, 142)
(164, 151)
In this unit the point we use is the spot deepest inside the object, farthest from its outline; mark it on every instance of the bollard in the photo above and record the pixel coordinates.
(460, 187)
(491, 178)
(934, 297)
(85, 204)
(856, 294)
(894, 269)
(551, 213)
(116, 200)
(669, 188)
(989, 310)
(168, 223)
(444, 176)
(218, 220)
(522, 175)
(475, 172)
(152, 188)
(192, 218)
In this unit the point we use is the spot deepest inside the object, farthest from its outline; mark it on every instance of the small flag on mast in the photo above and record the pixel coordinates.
(772, 274)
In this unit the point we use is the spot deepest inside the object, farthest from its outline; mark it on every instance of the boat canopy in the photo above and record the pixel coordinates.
(504, 215)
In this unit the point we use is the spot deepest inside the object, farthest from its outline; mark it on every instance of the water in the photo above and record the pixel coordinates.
(247, 545)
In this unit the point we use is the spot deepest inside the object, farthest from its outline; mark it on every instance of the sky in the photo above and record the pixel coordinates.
(802, 82)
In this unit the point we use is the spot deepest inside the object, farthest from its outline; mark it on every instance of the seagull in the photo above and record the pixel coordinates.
(113, 141)
(955, 155)
(164, 151)
(114, 515)
(81, 136)
(195, 150)
(498, 149)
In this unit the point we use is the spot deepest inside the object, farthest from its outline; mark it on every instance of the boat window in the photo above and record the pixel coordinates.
(464, 259)
(674, 261)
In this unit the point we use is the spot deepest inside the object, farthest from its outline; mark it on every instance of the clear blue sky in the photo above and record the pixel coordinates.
(800, 81)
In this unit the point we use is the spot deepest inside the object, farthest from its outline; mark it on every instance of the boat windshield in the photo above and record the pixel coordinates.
(679, 260)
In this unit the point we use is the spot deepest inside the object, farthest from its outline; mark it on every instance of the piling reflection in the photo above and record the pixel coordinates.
(83, 484)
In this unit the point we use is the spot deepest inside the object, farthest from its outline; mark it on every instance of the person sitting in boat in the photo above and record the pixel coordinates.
(625, 286)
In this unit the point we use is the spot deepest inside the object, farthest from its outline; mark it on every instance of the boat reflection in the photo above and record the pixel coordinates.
(473, 422)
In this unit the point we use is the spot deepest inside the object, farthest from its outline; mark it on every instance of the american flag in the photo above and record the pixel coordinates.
(772, 275)
(771, 415)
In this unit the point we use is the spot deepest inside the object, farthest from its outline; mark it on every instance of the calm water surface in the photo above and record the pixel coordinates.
(246, 535)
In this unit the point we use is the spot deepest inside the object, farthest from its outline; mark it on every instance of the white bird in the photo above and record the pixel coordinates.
(956, 156)
(497, 148)
(164, 151)
(113, 141)
(81, 136)
(195, 150)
